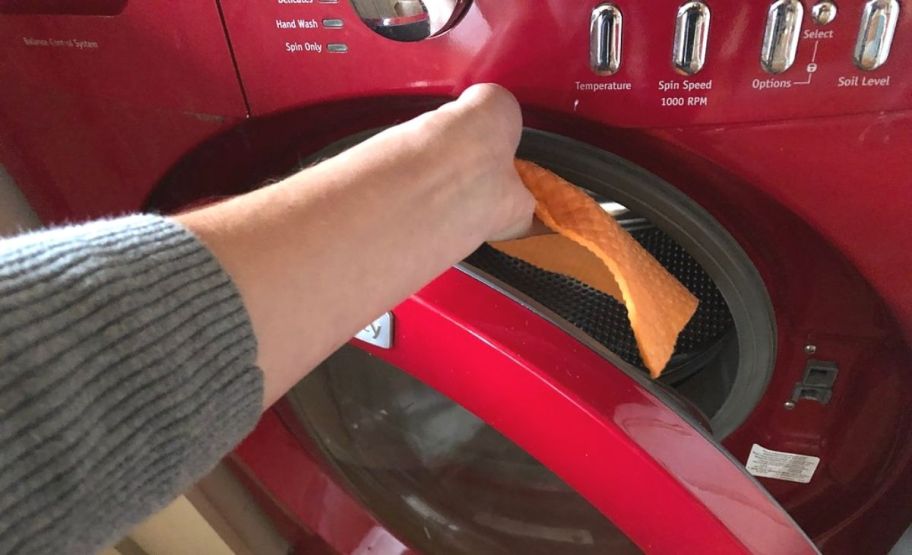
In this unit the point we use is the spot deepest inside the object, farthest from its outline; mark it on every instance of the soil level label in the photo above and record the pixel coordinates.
(780, 465)
(863, 81)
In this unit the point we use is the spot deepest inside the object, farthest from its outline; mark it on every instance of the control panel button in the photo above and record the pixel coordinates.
(823, 13)
(780, 41)
(691, 37)
(333, 23)
(878, 23)
(605, 29)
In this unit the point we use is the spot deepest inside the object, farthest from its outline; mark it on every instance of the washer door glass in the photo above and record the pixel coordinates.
(435, 474)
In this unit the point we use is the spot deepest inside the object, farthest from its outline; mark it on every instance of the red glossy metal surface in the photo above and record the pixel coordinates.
(810, 266)
(539, 51)
(94, 110)
(819, 203)
(168, 54)
(830, 173)
(63, 7)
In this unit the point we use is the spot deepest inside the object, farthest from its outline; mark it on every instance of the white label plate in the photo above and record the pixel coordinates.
(780, 465)
(379, 332)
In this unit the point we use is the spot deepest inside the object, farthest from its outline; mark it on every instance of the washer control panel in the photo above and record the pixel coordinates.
(780, 38)
(618, 62)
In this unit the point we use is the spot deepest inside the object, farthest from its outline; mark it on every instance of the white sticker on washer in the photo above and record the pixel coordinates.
(782, 466)
(379, 332)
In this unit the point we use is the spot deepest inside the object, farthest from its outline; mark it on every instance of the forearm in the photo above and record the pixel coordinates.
(126, 371)
(319, 255)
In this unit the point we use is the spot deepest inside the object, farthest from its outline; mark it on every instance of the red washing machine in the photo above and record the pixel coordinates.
(762, 151)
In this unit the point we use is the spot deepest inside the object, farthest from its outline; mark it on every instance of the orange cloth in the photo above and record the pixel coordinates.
(556, 253)
(594, 249)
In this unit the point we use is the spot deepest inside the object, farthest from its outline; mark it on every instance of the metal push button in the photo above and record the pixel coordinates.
(780, 41)
(605, 29)
(878, 23)
(824, 12)
(691, 37)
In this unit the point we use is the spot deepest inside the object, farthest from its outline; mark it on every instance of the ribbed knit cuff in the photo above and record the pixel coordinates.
(126, 372)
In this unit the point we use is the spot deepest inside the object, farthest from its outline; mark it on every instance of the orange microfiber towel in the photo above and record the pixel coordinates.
(589, 242)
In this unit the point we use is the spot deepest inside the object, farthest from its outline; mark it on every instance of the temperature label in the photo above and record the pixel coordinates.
(604, 86)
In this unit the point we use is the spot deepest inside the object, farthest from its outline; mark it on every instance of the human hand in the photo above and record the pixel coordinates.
(475, 138)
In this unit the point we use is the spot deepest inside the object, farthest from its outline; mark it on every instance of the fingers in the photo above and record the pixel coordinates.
(492, 112)
(496, 102)
(473, 140)
(498, 117)
(517, 207)
(523, 229)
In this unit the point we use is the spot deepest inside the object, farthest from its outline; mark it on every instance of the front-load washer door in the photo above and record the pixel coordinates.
(474, 424)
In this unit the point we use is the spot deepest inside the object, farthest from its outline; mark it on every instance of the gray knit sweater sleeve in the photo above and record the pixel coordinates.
(126, 372)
